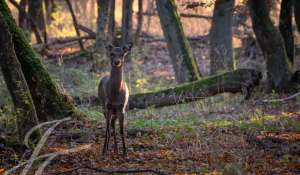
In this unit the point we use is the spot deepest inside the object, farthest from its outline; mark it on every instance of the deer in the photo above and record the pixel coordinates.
(113, 94)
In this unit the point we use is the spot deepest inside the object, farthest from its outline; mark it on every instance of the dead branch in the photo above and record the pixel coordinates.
(184, 15)
(282, 99)
(75, 24)
(100, 170)
(87, 30)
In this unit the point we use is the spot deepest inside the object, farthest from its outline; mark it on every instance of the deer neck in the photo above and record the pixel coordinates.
(116, 76)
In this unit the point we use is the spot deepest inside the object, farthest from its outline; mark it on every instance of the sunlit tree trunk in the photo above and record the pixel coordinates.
(16, 83)
(185, 65)
(49, 101)
(279, 67)
(286, 27)
(221, 51)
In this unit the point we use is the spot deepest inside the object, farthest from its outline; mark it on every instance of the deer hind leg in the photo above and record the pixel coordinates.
(113, 127)
(107, 132)
(121, 122)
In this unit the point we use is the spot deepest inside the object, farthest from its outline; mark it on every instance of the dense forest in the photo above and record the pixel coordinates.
(149, 87)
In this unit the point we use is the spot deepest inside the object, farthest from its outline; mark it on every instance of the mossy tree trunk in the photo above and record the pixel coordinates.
(272, 44)
(185, 65)
(286, 27)
(221, 51)
(50, 103)
(16, 83)
(297, 13)
(236, 81)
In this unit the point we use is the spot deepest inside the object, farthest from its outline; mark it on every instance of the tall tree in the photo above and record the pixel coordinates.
(101, 34)
(111, 21)
(36, 13)
(221, 51)
(49, 101)
(22, 14)
(127, 21)
(139, 21)
(297, 13)
(279, 67)
(286, 27)
(185, 65)
(16, 83)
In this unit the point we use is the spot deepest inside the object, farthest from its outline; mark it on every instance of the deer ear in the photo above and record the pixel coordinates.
(127, 47)
(109, 47)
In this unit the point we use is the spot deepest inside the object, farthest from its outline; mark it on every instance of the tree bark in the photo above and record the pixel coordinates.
(297, 13)
(50, 103)
(111, 21)
(22, 15)
(221, 51)
(127, 22)
(286, 27)
(279, 68)
(185, 65)
(35, 12)
(139, 21)
(16, 83)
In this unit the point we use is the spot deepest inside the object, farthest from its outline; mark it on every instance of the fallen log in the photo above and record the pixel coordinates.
(242, 80)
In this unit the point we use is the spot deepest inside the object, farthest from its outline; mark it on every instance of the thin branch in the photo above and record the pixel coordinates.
(282, 99)
(75, 24)
(100, 170)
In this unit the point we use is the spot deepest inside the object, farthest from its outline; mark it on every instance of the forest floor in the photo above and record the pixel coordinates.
(221, 134)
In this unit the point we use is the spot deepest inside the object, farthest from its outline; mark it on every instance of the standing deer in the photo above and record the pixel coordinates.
(113, 94)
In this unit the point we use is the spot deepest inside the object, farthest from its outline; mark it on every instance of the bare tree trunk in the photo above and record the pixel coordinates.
(50, 8)
(127, 22)
(185, 65)
(111, 21)
(35, 12)
(22, 15)
(16, 83)
(278, 64)
(286, 27)
(50, 103)
(140, 21)
(221, 51)
(297, 13)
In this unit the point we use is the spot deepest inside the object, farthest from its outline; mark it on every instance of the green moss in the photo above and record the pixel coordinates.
(49, 101)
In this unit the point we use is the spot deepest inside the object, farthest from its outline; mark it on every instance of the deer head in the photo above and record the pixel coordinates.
(118, 54)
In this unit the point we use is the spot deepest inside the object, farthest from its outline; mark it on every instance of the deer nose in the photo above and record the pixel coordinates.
(117, 62)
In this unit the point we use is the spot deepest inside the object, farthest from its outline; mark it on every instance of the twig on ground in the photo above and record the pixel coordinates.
(282, 99)
(100, 170)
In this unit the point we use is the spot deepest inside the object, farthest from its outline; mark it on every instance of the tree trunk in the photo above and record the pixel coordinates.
(111, 21)
(297, 13)
(241, 80)
(50, 103)
(35, 12)
(16, 83)
(279, 68)
(22, 15)
(221, 51)
(139, 21)
(185, 65)
(286, 27)
(127, 22)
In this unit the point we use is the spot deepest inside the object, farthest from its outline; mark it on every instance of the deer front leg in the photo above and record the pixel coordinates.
(107, 132)
(113, 124)
(121, 122)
